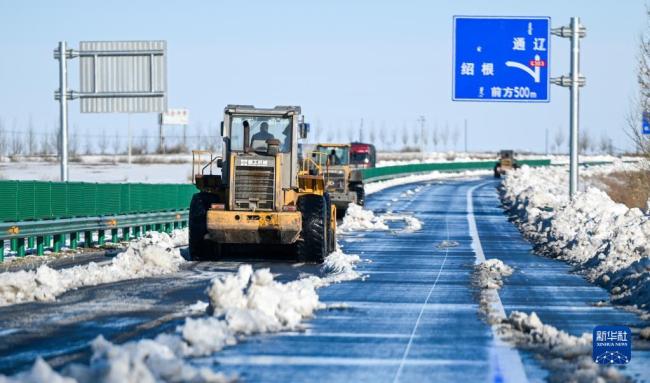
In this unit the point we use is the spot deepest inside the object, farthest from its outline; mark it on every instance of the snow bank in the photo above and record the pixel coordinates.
(606, 241)
(567, 357)
(153, 254)
(248, 302)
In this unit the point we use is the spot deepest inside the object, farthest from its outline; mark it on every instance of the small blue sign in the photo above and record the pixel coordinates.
(612, 345)
(646, 123)
(503, 59)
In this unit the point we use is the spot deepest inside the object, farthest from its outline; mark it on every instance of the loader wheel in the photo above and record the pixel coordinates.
(200, 248)
(331, 232)
(312, 244)
(361, 194)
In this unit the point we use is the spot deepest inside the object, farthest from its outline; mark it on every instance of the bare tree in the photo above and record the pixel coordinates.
(31, 138)
(17, 144)
(361, 132)
(372, 134)
(444, 135)
(102, 144)
(455, 136)
(89, 145)
(331, 133)
(435, 137)
(584, 142)
(73, 146)
(641, 103)
(117, 144)
(383, 138)
(558, 138)
(350, 131)
(394, 138)
(405, 136)
(3, 140)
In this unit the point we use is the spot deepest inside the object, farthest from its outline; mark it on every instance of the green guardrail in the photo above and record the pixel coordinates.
(386, 172)
(40, 215)
(37, 200)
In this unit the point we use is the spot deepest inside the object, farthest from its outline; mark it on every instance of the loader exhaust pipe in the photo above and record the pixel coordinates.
(247, 134)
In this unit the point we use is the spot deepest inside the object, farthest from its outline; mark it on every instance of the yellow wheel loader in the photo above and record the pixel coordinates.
(343, 183)
(505, 163)
(263, 195)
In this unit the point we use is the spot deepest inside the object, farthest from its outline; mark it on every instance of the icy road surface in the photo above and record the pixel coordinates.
(414, 317)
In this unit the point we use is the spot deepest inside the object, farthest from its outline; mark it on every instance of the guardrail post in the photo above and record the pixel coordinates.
(39, 245)
(168, 228)
(74, 239)
(101, 238)
(30, 242)
(13, 244)
(21, 247)
(136, 231)
(88, 238)
(2, 250)
(176, 225)
(114, 237)
(58, 242)
(158, 227)
(126, 234)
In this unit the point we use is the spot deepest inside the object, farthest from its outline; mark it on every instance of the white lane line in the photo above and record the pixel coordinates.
(509, 367)
(417, 322)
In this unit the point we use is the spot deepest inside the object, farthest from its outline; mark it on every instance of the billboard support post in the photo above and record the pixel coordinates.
(575, 31)
(62, 55)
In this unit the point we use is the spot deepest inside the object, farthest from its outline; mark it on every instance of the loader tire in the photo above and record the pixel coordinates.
(200, 248)
(361, 195)
(331, 232)
(312, 244)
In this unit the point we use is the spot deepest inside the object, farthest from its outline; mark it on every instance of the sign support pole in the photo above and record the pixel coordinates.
(574, 81)
(129, 137)
(575, 104)
(63, 108)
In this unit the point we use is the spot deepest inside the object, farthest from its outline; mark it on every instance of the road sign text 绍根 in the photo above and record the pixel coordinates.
(646, 123)
(501, 59)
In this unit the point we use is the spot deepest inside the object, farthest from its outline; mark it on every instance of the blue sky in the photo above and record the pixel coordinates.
(387, 62)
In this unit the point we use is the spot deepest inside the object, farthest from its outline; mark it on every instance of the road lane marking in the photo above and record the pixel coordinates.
(417, 322)
(503, 354)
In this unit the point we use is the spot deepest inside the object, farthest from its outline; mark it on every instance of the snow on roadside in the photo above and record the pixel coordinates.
(247, 302)
(606, 241)
(567, 357)
(154, 254)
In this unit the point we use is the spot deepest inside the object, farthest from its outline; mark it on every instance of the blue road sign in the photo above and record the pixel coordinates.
(646, 123)
(501, 59)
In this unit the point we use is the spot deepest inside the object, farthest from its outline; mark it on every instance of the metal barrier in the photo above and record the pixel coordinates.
(386, 172)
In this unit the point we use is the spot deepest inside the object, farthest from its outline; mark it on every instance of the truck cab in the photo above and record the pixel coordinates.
(343, 183)
(362, 155)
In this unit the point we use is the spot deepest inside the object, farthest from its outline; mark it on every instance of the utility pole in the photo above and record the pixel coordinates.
(575, 31)
(129, 137)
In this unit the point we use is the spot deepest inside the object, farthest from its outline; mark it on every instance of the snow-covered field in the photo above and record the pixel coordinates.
(606, 241)
(177, 168)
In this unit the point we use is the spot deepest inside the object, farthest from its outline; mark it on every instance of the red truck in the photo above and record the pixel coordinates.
(362, 155)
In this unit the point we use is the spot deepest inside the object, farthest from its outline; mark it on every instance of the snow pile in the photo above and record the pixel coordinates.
(153, 254)
(606, 241)
(568, 357)
(374, 187)
(359, 219)
(248, 302)
(412, 224)
(489, 274)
